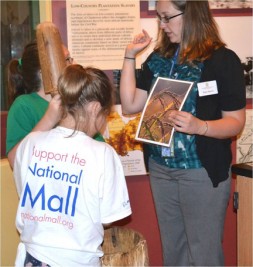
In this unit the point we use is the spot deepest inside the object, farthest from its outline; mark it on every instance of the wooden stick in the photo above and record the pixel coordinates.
(51, 55)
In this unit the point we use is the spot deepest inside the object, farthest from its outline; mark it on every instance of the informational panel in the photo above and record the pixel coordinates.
(120, 134)
(99, 31)
(244, 143)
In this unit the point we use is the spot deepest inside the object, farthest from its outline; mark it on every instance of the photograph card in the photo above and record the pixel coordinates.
(166, 95)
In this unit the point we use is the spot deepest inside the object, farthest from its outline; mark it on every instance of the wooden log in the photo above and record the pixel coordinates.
(51, 55)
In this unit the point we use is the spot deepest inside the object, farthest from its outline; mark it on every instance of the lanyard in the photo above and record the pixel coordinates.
(169, 151)
(174, 60)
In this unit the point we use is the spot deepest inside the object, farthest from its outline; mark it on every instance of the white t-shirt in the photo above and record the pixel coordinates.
(68, 186)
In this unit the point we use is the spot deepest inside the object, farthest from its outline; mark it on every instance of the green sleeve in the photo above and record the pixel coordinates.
(23, 115)
(19, 124)
(99, 137)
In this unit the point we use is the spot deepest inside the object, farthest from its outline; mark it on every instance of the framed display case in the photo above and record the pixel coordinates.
(18, 22)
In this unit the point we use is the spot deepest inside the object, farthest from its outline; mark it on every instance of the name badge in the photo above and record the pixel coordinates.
(207, 88)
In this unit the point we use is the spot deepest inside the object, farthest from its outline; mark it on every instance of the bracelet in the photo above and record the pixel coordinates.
(131, 58)
(206, 129)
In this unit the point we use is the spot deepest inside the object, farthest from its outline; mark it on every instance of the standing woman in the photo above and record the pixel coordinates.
(31, 109)
(191, 190)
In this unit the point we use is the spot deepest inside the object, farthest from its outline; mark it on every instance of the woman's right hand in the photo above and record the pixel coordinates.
(139, 43)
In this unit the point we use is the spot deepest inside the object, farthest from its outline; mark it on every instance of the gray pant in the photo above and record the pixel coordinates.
(191, 214)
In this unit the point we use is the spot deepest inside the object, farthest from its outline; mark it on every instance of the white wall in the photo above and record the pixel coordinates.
(237, 33)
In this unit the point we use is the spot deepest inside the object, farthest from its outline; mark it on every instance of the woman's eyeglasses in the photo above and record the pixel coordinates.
(167, 19)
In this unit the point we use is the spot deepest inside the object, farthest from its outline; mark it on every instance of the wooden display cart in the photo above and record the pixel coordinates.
(243, 203)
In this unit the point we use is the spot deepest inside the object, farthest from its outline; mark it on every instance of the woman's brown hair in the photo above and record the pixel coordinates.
(200, 35)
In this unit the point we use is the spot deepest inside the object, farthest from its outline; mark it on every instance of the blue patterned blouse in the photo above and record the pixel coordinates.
(185, 155)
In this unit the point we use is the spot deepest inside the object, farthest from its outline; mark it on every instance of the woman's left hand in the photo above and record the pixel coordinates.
(231, 124)
(186, 123)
